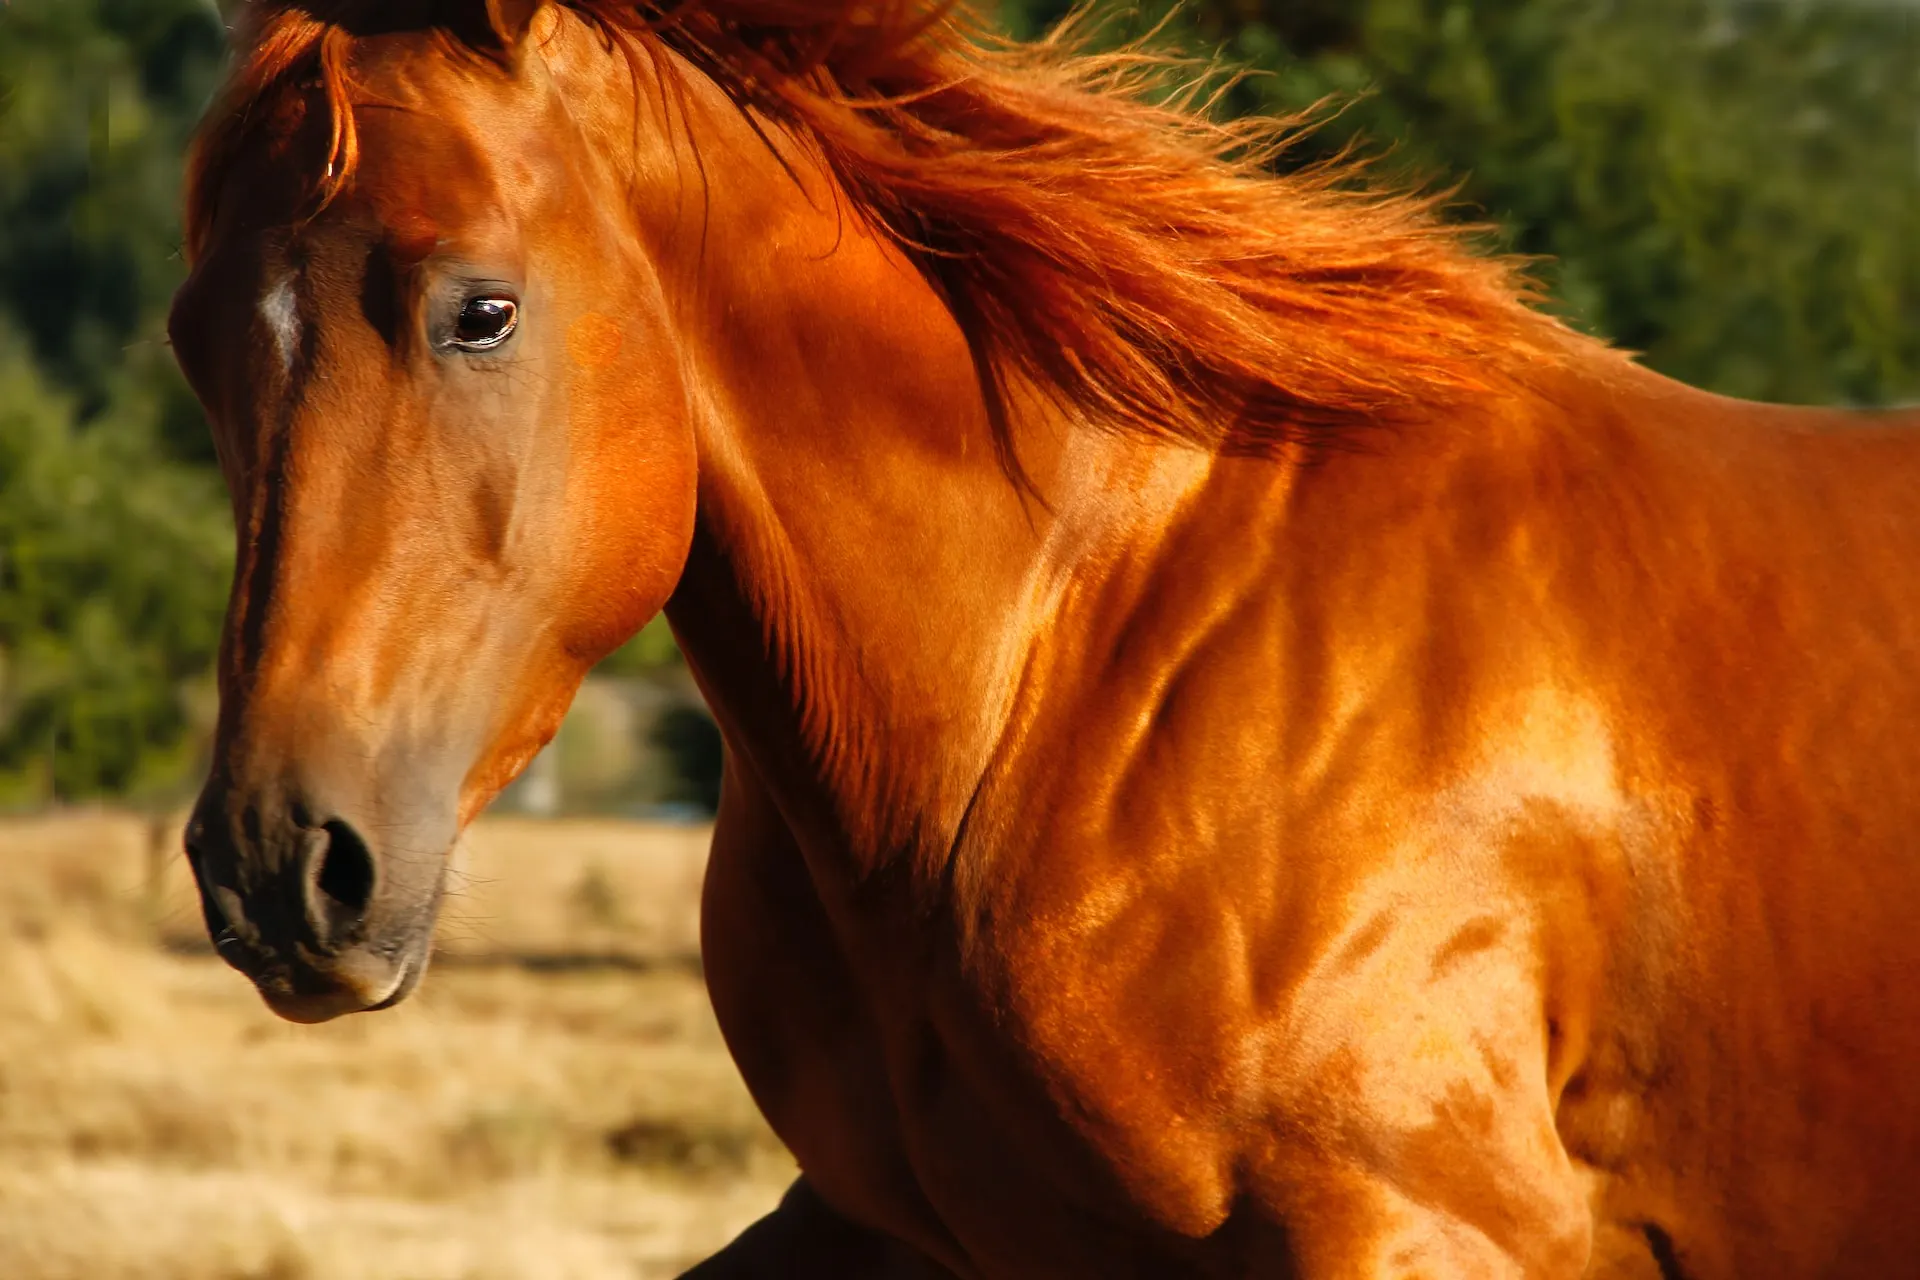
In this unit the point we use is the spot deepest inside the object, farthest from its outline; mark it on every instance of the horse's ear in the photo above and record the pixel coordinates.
(508, 22)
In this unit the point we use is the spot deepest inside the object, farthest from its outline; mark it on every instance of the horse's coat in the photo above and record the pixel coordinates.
(1251, 752)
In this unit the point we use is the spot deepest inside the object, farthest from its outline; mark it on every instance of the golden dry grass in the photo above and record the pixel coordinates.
(555, 1101)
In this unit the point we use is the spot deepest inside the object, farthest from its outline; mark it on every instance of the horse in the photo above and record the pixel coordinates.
(1252, 749)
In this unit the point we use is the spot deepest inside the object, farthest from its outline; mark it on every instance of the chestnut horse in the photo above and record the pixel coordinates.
(1252, 751)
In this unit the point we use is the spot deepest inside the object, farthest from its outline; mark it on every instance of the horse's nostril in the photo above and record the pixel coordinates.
(346, 874)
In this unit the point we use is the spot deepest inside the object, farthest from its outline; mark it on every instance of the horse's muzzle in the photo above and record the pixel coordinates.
(304, 909)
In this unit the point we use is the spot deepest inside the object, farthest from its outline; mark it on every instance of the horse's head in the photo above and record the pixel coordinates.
(452, 419)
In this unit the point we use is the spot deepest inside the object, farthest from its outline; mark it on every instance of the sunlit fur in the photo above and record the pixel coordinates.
(1155, 841)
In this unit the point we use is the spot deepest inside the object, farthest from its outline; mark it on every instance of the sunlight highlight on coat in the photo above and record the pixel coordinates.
(1548, 744)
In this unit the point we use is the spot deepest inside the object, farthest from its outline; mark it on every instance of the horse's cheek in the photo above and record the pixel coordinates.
(630, 492)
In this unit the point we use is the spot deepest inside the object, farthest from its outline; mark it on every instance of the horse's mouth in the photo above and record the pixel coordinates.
(360, 981)
(304, 981)
(412, 969)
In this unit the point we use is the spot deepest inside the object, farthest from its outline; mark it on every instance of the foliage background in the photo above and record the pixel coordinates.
(1731, 187)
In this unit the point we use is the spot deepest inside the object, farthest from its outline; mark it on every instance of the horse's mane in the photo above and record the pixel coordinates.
(1094, 230)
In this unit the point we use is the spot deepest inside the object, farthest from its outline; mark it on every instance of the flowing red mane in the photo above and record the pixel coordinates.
(1113, 245)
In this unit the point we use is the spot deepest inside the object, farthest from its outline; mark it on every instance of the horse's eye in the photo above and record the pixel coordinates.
(485, 323)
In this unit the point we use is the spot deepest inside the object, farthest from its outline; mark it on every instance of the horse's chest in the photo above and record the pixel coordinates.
(992, 1101)
(1121, 1035)
(1138, 1041)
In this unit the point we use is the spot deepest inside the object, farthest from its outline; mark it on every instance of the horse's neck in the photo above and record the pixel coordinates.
(856, 599)
(853, 595)
(866, 583)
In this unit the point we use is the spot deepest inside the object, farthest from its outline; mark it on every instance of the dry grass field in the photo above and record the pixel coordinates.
(555, 1101)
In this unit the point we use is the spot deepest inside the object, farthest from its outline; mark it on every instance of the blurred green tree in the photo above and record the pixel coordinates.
(1731, 187)
(113, 568)
(651, 651)
(97, 101)
(114, 545)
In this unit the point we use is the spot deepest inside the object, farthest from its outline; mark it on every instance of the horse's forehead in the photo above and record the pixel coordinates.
(419, 170)
(397, 64)
(439, 142)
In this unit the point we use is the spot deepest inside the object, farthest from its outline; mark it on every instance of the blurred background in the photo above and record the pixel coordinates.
(1731, 187)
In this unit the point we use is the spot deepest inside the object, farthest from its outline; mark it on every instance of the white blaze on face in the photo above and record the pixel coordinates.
(280, 310)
